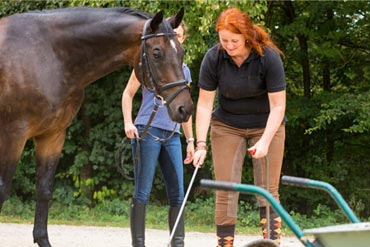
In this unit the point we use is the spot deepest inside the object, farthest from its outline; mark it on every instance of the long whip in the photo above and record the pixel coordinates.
(183, 205)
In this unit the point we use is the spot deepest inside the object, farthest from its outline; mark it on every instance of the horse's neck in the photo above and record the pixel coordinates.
(96, 45)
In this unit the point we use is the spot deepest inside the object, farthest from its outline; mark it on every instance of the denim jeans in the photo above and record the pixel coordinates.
(169, 156)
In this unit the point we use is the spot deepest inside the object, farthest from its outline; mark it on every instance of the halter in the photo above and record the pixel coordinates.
(158, 89)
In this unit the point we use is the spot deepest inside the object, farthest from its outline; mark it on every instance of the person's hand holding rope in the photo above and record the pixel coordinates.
(131, 130)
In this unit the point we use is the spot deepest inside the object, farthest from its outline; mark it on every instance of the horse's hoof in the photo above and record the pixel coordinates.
(43, 242)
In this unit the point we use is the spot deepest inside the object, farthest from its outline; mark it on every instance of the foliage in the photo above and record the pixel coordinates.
(327, 133)
(351, 111)
(199, 215)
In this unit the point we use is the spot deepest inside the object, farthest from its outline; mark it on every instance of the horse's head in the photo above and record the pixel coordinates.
(160, 65)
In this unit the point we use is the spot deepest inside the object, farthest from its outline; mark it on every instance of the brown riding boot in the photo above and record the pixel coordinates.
(275, 224)
(225, 235)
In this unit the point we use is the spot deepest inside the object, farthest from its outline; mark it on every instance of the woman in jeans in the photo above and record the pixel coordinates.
(246, 71)
(167, 152)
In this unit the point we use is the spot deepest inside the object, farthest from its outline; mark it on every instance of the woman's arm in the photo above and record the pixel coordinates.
(127, 96)
(203, 119)
(188, 131)
(277, 111)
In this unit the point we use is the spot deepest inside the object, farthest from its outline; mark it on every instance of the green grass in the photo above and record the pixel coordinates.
(199, 216)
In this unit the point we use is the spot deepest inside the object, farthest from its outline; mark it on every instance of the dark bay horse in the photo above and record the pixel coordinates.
(47, 58)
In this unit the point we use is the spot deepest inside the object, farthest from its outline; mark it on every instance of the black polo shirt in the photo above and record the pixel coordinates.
(242, 92)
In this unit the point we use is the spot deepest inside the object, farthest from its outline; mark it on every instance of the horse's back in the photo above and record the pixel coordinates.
(23, 41)
(31, 76)
(27, 58)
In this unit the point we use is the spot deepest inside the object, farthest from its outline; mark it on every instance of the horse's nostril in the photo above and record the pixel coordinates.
(182, 110)
(183, 113)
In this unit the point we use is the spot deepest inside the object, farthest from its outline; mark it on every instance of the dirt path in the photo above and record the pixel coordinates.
(20, 235)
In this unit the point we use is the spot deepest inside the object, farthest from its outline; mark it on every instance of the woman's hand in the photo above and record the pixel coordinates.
(189, 153)
(258, 150)
(131, 130)
(200, 154)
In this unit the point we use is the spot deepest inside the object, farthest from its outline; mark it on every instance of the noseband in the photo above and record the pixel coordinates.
(158, 89)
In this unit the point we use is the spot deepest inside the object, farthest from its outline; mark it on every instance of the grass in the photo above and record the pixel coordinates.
(199, 216)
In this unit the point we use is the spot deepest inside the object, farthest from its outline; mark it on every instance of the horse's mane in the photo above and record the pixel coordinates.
(134, 12)
(122, 10)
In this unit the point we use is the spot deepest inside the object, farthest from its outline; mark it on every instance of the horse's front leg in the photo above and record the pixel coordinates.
(48, 149)
(11, 147)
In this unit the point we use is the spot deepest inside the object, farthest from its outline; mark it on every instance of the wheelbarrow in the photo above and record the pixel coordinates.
(356, 234)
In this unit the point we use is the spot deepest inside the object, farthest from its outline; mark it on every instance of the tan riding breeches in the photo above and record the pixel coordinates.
(229, 147)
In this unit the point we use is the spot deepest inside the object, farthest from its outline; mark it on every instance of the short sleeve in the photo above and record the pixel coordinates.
(208, 70)
(274, 71)
(187, 73)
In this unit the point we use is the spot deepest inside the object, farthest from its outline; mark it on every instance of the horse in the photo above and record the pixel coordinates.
(48, 57)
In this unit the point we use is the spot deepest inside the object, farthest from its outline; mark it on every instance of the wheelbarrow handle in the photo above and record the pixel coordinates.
(296, 181)
(315, 184)
(218, 185)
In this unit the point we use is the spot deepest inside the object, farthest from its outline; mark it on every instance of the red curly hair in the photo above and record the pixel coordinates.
(239, 22)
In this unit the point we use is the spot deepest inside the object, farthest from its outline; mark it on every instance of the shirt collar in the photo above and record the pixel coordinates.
(254, 55)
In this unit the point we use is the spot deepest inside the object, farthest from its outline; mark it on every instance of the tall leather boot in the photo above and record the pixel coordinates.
(225, 235)
(275, 225)
(178, 237)
(137, 223)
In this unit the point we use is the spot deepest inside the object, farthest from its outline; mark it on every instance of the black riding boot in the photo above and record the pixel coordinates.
(137, 223)
(178, 237)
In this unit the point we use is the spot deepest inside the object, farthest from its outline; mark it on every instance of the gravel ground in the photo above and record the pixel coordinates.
(20, 235)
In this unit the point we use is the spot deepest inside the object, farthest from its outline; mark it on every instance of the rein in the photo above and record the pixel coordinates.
(146, 132)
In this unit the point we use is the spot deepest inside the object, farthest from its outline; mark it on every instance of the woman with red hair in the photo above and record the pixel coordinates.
(246, 71)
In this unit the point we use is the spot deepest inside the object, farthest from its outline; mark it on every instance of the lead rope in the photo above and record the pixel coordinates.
(121, 153)
(120, 157)
(146, 132)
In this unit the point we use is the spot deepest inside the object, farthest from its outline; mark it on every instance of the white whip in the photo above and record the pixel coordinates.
(183, 205)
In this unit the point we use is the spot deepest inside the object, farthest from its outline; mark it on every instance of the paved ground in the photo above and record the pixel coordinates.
(20, 235)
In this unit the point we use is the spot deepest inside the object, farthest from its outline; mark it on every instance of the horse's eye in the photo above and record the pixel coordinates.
(156, 53)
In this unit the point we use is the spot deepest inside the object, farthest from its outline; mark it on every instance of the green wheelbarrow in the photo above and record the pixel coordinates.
(356, 234)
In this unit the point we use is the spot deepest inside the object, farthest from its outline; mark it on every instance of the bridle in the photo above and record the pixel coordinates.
(158, 89)
(144, 60)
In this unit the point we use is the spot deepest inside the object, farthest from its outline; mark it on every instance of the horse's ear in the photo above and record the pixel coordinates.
(177, 19)
(156, 21)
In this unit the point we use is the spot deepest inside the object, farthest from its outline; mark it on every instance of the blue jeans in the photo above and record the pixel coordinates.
(169, 156)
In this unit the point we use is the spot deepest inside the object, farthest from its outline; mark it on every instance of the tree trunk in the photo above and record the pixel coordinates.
(303, 45)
